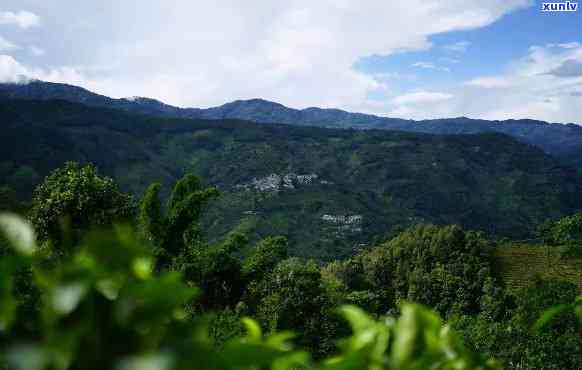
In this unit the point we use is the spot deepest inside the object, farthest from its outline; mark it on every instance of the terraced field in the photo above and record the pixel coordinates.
(517, 265)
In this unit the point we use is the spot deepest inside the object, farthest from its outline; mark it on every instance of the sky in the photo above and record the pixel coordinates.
(491, 59)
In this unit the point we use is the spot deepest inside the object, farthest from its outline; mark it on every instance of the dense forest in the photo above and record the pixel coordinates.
(330, 192)
(96, 278)
(563, 141)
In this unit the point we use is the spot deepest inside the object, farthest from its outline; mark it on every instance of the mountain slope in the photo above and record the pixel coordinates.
(328, 190)
(562, 141)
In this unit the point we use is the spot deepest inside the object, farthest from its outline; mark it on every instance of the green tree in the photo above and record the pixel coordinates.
(508, 332)
(106, 308)
(265, 256)
(292, 297)
(216, 271)
(177, 231)
(442, 267)
(79, 197)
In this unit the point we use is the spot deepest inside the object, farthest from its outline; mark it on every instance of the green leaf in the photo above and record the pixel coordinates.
(578, 311)
(65, 298)
(358, 319)
(548, 315)
(19, 233)
(109, 287)
(143, 267)
(238, 354)
(150, 361)
(253, 328)
(7, 302)
(296, 360)
(26, 357)
(414, 327)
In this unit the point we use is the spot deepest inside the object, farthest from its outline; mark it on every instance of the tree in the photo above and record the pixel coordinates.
(106, 309)
(216, 271)
(441, 267)
(177, 231)
(78, 196)
(292, 297)
(265, 256)
(565, 232)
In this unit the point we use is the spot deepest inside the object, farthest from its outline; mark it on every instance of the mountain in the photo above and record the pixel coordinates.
(561, 140)
(329, 190)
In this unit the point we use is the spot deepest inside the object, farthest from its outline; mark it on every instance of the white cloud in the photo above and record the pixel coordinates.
(567, 45)
(421, 97)
(11, 70)
(6, 45)
(545, 84)
(430, 65)
(300, 53)
(22, 19)
(492, 82)
(36, 51)
(458, 47)
(569, 68)
(449, 60)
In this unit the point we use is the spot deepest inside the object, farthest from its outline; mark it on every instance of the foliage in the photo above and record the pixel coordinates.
(265, 256)
(120, 300)
(78, 196)
(442, 267)
(106, 307)
(530, 330)
(487, 182)
(178, 231)
(565, 232)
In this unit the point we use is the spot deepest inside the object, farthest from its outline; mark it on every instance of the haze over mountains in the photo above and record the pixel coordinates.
(561, 140)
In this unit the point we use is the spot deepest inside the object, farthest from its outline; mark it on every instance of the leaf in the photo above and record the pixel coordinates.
(253, 328)
(66, 297)
(7, 302)
(548, 315)
(109, 287)
(19, 233)
(238, 354)
(578, 311)
(26, 357)
(414, 327)
(280, 339)
(150, 361)
(358, 319)
(143, 267)
(296, 360)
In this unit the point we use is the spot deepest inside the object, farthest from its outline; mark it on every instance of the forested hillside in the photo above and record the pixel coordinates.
(334, 189)
(96, 281)
(331, 190)
(561, 140)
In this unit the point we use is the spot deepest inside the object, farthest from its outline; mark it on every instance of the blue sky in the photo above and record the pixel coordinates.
(454, 57)
(489, 47)
(492, 59)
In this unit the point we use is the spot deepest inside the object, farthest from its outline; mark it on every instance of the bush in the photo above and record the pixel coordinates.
(106, 308)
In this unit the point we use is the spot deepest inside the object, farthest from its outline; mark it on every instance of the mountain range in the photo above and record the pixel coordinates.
(561, 140)
(330, 191)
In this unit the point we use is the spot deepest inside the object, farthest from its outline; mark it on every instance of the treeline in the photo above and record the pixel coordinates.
(94, 299)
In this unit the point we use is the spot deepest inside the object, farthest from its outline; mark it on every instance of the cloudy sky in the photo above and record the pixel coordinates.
(492, 59)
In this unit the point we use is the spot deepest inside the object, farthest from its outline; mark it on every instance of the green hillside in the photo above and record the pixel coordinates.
(329, 191)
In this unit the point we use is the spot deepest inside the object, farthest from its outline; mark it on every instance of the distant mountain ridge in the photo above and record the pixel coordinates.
(561, 140)
(330, 191)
